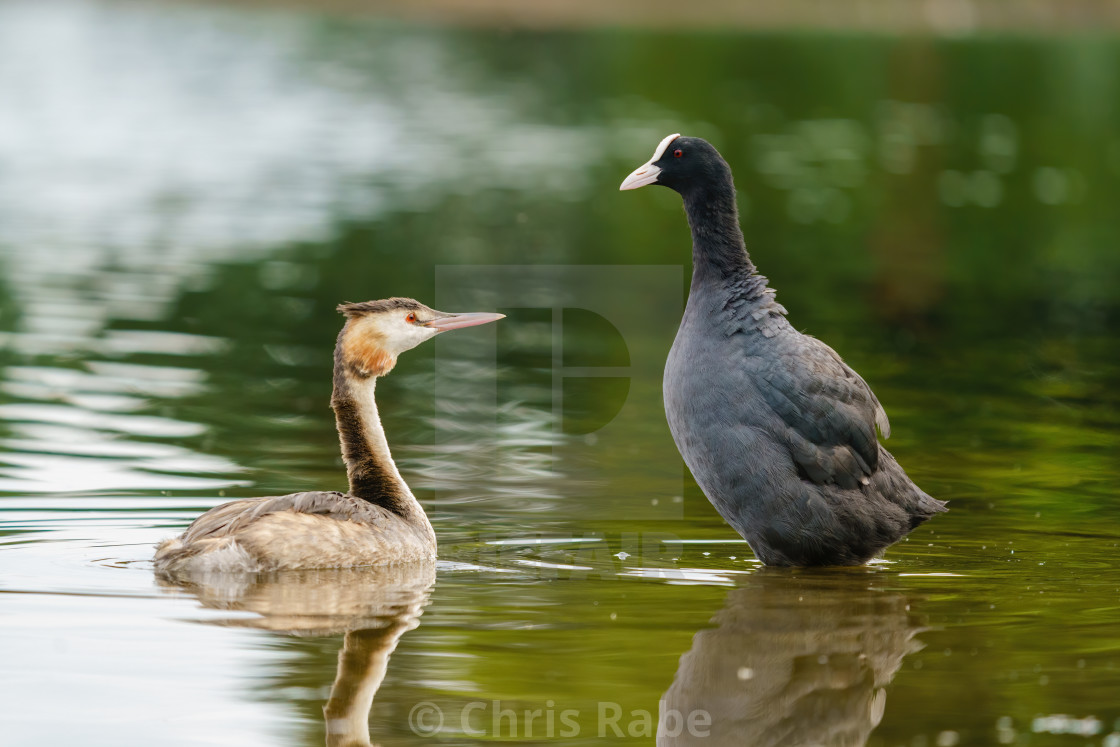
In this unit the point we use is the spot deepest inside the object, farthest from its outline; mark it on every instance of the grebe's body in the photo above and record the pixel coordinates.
(378, 521)
(298, 531)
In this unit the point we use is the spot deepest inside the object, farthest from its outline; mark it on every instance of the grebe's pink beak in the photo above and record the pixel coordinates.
(458, 321)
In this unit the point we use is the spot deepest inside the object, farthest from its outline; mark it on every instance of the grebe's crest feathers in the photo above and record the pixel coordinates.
(373, 307)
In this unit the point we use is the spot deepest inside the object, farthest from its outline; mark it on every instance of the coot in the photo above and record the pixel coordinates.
(777, 430)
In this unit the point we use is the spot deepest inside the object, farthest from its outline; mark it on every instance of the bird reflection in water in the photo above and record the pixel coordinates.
(371, 607)
(792, 659)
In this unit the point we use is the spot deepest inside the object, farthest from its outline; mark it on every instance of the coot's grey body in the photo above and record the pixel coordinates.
(777, 430)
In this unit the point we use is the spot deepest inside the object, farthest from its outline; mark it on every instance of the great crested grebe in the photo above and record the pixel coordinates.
(777, 430)
(378, 521)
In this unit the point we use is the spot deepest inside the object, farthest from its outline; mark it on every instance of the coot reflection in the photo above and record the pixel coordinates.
(793, 659)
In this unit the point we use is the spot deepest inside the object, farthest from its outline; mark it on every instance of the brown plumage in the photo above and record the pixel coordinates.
(378, 521)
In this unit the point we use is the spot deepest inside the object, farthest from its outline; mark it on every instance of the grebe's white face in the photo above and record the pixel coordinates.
(404, 329)
(401, 329)
(372, 341)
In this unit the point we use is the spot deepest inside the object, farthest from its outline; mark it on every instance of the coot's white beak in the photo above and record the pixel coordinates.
(641, 176)
(647, 173)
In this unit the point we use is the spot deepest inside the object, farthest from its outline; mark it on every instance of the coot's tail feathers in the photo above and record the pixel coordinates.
(931, 505)
(927, 508)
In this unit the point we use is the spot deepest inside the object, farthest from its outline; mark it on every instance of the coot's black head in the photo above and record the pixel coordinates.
(683, 164)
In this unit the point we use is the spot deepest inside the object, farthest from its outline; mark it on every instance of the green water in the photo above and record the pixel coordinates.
(188, 192)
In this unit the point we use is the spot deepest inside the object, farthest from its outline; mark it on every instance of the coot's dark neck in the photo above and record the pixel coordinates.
(718, 250)
(370, 468)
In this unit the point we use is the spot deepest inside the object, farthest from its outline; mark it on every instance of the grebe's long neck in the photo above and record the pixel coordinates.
(370, 468)
(361, 669)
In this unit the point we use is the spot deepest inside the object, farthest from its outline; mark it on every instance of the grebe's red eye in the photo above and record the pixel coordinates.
(678, 153)
(411, 318)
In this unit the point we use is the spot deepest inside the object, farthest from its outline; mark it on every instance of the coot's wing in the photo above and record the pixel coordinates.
(828, 411)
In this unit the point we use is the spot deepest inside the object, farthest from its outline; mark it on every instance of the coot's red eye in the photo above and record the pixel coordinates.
(411, 318)
(678, 153)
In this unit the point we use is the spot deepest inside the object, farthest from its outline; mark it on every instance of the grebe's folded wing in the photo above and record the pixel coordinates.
(229, 518)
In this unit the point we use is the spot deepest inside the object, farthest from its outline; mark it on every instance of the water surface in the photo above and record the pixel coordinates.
(188, 191)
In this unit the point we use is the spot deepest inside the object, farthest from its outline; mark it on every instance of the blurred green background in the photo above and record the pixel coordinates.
(187, 190)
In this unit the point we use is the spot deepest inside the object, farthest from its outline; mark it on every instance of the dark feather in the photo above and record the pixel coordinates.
(374, 307)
